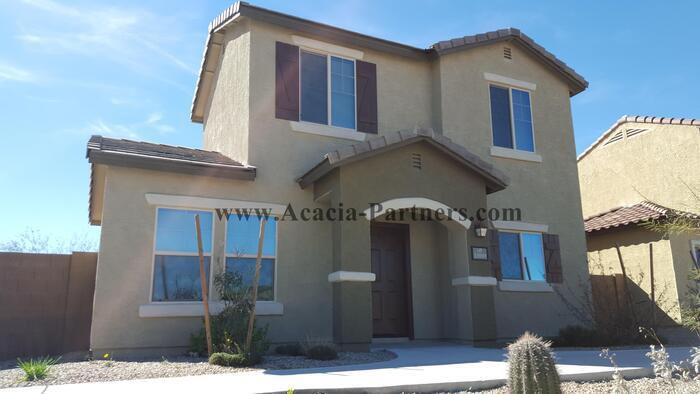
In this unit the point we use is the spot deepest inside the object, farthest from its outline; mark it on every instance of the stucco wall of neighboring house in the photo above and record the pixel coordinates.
(634, 246)
(125, 265)
(683, 261)
(227, 115)
(547, 192)
(661, 165)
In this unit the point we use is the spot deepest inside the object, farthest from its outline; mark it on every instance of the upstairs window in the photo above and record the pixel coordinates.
(317, 100)
(511, 118)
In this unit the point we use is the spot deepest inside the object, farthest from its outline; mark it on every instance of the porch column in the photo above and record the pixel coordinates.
(462, 328)
(352, 285)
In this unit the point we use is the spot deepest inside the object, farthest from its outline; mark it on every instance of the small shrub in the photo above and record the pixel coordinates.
(229, 360)
(578, 336)
(36, 369)
(293, 349)
(322, 352)
(531, 367)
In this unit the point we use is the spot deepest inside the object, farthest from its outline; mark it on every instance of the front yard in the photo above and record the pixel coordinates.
(111, 370)
(643, 385)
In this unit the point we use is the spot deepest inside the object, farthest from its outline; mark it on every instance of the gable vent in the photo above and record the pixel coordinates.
(507, 53)
(633, 132)
(618, 136)
(417, 161)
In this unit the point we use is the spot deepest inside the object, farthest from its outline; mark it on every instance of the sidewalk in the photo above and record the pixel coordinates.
(429, 367)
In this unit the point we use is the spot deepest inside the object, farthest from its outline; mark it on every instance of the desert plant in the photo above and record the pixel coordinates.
(229, 328)
(322, 352)
(292, 349)
(531, 366)
(36, 369)
(618, 381)
(229, 359)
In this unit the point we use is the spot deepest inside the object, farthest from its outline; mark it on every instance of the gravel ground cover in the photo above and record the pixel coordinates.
(109, 370)
(637, 386)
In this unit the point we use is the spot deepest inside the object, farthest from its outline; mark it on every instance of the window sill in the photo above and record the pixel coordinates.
(327, 131)
(196, 309)
(473, 280)
(525, 286)
(507, 153)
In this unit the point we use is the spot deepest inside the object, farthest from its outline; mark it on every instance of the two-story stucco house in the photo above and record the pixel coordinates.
(642, 169)
(302, 115)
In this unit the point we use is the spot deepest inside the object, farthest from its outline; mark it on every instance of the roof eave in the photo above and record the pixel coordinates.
(169, 165)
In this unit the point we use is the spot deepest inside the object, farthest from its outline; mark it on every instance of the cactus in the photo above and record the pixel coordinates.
(531, 366)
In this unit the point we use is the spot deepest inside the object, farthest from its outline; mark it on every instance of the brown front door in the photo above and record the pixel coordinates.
(391, 307)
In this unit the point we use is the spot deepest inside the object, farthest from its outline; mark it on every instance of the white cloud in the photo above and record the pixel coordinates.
(16, 74)
(130, 37)
(155, 117)
(112, 130)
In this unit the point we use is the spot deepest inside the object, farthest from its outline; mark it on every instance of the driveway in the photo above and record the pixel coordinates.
(418, 367)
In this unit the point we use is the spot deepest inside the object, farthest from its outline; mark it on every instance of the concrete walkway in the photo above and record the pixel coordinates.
(427, 367)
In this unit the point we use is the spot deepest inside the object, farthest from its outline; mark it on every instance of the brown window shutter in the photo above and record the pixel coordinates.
(552, 258)
(366, 84)
(287, 81)
(494, 254)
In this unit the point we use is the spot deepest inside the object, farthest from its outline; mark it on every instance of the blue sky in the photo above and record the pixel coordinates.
(127, 69)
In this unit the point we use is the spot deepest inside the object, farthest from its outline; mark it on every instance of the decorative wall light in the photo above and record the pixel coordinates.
(480, 229)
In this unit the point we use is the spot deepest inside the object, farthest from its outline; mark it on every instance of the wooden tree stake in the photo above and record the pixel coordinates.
(203, 282)
(258, 264)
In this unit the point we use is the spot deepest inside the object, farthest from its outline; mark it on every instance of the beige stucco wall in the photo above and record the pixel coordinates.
(546, 192)
(634, 248)
(449, 94)
(125, 265)
(655, 165)
(227, 115)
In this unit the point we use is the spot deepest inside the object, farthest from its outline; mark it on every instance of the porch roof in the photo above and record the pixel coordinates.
(495, 179)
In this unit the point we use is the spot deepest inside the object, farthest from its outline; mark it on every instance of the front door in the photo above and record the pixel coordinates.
(391, 307)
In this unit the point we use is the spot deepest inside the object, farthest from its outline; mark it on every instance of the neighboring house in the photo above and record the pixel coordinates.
(643, 169)
(300, 114)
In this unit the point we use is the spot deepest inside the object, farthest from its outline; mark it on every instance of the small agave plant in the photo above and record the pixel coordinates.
(531, 367)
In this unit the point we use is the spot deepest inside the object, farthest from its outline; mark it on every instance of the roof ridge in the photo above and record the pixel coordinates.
(639, 119)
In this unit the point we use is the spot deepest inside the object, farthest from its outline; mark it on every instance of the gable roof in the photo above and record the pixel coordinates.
(138, 154)
(495, 179)
(217, 27)
(638, 119)
(637, 213)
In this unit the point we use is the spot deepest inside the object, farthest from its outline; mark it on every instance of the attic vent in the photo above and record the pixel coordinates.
(507, 53)
(416, 161)
(632, 132)
(618, 136)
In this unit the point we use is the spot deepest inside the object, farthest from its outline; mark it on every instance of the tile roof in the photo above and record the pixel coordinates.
(158, 151)
(520, 37)
(637, 213)
(217, 27)
(495, 179)
(639, 119)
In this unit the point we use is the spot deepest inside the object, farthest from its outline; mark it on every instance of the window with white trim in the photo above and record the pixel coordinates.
(522, 256)
(511, 118)
(242, 248)
(695, 250)
(333, 106)
(176, 257)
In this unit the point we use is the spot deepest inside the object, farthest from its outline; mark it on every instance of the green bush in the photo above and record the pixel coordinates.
(322, 352)
(229, 328)
(531, 367)
(229, 360)
(293, 349)
(36, 369)
(578, 336)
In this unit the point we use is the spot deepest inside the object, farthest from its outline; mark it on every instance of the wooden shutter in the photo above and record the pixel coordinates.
(366, 84)
(494, 253)
(287, 81)
(552, 258)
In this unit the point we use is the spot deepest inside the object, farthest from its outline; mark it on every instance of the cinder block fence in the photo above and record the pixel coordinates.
(45, 303)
